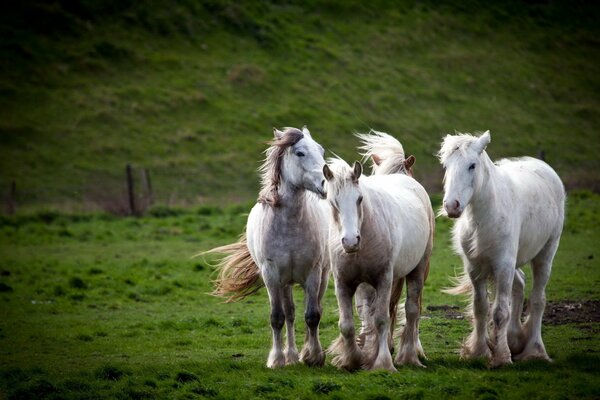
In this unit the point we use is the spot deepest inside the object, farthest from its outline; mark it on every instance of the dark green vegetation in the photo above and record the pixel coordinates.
(98, 307)
(191, 89)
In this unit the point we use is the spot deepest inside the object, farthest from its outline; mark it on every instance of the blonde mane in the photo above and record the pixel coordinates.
(385, 148)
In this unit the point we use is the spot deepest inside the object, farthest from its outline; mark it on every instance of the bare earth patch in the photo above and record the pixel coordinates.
(569, 312)
(450, 312)
(556, 313)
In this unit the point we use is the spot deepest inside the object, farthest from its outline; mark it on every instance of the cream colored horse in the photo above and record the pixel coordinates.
(509, 213)
(382, 231)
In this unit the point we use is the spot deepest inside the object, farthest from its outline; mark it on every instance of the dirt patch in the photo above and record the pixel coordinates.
(569, 312)
(450, 312)
(556, 313)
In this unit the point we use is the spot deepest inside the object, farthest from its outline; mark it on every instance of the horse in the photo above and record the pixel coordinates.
(509, 213)
(382, 231)
(387, 157)
(285, 243)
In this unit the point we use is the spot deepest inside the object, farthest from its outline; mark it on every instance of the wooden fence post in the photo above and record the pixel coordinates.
(130, 192)
(542, 155)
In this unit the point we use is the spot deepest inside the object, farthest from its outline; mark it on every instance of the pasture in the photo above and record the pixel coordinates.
(99, 307)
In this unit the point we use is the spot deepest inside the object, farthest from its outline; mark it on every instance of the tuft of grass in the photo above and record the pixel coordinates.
(110, 373)
(77, 283)
(185, 377)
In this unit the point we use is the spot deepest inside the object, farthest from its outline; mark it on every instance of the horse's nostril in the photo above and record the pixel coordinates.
(457, 204)
(323, 183)
(357, 240)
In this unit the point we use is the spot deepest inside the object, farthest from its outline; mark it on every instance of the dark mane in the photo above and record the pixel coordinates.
(271, 168)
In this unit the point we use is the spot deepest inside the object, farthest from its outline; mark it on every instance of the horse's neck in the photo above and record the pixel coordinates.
(292, 200)
(487, 195)
(371, 217)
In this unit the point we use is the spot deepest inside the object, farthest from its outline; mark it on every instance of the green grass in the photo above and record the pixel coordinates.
(98, 307)
(192, 90)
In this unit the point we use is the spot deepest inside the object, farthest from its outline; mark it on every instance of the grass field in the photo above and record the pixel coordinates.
(98, 307)
(191, 90)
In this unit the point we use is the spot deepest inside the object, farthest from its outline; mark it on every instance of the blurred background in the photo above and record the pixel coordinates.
(186, 93)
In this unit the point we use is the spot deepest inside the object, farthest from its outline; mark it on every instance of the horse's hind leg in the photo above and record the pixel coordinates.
(516, 337)
(312, 353)
(410, 345)
(276, 356)
(289, 310)
(541, 267)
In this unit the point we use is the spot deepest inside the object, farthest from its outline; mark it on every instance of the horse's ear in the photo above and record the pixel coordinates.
(305, 131)
(376, 159)
(409, 162)
(482, 142)
(356, 171)
(277, 133)
(327, 172)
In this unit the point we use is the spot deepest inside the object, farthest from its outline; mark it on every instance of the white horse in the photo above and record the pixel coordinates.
(285, 243)
(382, 231)
(509, 213)
(387, 157)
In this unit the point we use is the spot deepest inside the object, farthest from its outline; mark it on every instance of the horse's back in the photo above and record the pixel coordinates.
(539, 196)
(406, 211)
(535, 182)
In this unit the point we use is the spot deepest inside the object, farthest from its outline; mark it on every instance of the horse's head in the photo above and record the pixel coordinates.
(302, 161)
(345, 197)
(461, 157)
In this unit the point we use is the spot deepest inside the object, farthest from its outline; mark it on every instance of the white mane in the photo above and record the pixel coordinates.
(452, 143)
(342, 172)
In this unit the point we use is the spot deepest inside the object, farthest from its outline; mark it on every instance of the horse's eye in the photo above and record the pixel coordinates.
(300, 154)
(360, 199)
(471, 167)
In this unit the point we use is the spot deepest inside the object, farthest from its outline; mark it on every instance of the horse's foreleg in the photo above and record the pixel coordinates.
(312, 353)
(410, 345)
(381, 308)
(541, 267)
(276, 356)
(476, 344)
(290, 352)
(516, 337)
(346, 352)
(503, 276)
(364, 298)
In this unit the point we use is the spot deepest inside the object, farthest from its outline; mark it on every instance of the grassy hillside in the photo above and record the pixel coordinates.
(191, 90)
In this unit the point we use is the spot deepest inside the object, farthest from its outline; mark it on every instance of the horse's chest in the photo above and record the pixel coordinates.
(292, 251)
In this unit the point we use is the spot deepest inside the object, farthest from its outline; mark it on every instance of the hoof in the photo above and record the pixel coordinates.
(406, 359)
(385, 366)
(498, 362)
(468, 353)
(314, 359)
(291, 357)
(532, 356)
(276, 360)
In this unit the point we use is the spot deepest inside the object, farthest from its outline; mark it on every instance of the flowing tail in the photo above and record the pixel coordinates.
(462, 285)
(239, 276)
(386, 153)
